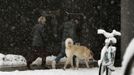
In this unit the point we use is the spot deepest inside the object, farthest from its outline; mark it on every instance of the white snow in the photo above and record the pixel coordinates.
(2, 56)
(14, 60)
(81, 71)
(38, 61)
(18, 59)
(49, 59)
(11, 60)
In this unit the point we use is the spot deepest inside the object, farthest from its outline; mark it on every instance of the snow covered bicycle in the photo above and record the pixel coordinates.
(106, 61)
(128, 60)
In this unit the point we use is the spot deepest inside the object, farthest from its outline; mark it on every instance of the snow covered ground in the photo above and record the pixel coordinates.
(81, 71)
(11, 60)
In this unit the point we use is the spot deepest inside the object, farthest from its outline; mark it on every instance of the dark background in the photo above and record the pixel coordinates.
(17, 18)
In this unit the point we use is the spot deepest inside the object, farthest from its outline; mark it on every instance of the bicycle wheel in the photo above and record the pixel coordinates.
(108, 71)
(130, 67)
(101, 69)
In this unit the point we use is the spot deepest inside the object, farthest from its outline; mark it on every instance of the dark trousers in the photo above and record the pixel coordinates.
(35, 53)
(62, 54)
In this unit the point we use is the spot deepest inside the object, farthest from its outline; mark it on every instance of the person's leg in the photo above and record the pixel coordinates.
(60, 55)
(32, 56)
(43, 53)
(44, 63)
(30, 59)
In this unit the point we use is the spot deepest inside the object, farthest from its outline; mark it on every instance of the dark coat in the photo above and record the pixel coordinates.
(39, 36)
(69, 30)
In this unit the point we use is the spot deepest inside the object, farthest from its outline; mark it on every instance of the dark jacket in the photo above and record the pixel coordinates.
(69, 30)
(39, 36)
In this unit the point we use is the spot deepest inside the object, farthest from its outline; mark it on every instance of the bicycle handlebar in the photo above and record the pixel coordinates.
(109, 35)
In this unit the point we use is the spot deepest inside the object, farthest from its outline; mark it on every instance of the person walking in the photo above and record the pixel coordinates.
(69, 30)
(39, 42)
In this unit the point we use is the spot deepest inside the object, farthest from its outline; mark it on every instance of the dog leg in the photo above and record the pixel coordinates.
(77, 63)
(66, 63)
(86, 61)
(72, 63)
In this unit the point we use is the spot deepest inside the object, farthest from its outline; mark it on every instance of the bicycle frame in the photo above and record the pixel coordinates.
(108, 51)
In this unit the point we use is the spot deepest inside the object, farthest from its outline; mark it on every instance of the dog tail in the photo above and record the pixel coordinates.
(78, 44)
(92, 59)
(92, 53)
(91, 56)
(69, 41)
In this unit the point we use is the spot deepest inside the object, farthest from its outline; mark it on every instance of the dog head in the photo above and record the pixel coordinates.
(68, 42)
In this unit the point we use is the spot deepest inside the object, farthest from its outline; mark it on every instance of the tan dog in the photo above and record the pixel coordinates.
(81, 52)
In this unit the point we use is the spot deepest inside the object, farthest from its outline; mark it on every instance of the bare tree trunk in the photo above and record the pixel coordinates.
(127, 23)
